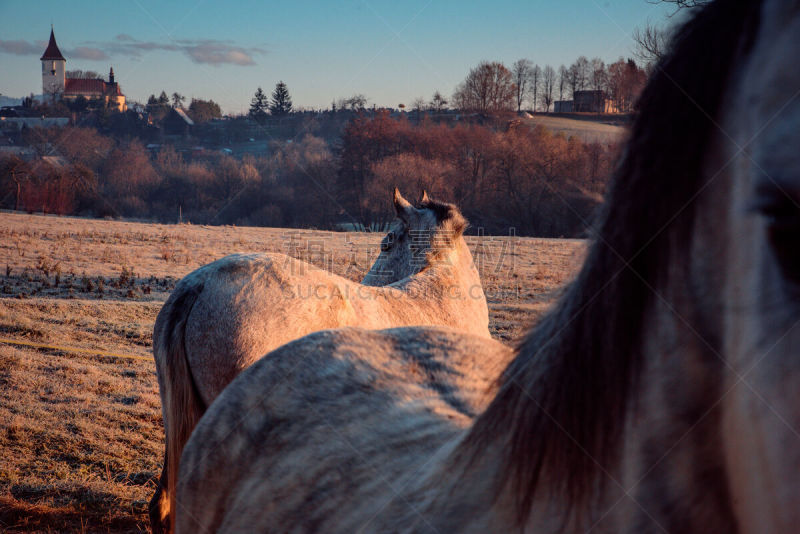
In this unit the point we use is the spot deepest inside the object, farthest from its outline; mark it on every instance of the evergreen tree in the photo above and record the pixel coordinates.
(163, 99)
(281, 103)
(258, 106)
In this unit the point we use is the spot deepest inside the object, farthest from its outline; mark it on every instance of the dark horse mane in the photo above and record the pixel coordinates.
(563, 401)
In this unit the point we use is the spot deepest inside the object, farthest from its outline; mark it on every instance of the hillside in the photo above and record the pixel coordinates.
(80, 434)
(589, 128)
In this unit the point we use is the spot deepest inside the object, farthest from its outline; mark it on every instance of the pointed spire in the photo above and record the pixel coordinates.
(111, 75)
(52, 51)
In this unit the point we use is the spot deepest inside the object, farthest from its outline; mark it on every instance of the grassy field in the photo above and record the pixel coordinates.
(80, 434)
(589, 128)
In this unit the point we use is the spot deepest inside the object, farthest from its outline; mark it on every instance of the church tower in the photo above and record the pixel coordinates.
(53, 70)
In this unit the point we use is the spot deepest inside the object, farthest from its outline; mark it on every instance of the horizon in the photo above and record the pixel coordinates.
(390, 55)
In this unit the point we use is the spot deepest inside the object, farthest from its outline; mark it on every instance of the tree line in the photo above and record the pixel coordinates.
(492, 87)
(501, 174)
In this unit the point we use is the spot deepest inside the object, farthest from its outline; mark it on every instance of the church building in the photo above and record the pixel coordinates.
(55, 84)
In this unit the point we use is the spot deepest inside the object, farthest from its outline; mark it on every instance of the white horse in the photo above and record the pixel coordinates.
(661, 394)
(225, 315)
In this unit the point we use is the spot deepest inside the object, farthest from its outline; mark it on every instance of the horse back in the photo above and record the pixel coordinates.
(252, 304)
(339, 404)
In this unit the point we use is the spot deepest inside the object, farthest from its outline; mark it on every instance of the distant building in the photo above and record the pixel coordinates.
(562, 106)
(55, 84)
(177, 122)
(587, 102)
(592, 102)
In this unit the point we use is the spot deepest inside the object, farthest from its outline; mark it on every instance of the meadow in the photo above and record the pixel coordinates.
(81, 438)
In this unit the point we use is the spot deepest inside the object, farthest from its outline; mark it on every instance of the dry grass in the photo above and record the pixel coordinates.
(80, 436)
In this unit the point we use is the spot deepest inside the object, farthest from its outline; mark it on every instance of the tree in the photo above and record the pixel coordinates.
(625, 81)
(650, 43)
(563, 76)
(548, 85)
(281, 103)
(488, 88)
(258, 106)
(83, 74)
(79, 105)
(536, 77)
(438, 102)
(163, 99)
(686, 3)
(204, 110)
(356, 102)
(578, 75)
(418, 105)
(598, 76)
(177, 98)
(521, 70)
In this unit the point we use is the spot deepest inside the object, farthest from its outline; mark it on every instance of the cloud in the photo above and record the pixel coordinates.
(207, 51)
(203, 51)
(86, 52)
(218, 53)
(22, 48)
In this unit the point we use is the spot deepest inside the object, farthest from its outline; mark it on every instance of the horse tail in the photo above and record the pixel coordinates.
(181, 403)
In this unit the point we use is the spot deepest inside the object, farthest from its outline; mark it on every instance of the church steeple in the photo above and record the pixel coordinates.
(53, 69)
(52, 51)
(111, 76)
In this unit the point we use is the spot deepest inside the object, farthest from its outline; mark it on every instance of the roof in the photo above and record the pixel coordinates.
(52, 51)
(89, 85)
(182, 114)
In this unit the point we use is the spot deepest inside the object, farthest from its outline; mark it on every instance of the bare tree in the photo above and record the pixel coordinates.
(418, 105)
(83, 74)
(582, 69)
(438, 102)
(578, 75)
(598, 76)
(625, 82)
(521, 72)
(563, 76)
(572, 79)
(548, 86)
(683, 3)
(488, 88)
(177, 99)
(356, 102)
(650, 43)
(536, 78)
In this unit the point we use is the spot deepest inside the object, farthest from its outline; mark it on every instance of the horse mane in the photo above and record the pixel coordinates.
(561, 407)
(450, 223)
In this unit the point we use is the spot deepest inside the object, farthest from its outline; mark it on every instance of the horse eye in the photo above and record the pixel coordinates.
(783, 227)
(388, 241)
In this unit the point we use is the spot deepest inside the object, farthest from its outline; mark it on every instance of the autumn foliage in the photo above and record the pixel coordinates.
(503, 174)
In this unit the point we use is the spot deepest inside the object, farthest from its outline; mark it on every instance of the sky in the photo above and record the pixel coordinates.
(391, 52)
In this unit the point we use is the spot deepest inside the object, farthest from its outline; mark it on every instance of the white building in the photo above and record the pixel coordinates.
(55, 84)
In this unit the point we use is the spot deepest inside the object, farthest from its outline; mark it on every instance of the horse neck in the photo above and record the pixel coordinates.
(453, 266)
(669, 400)
(673, 465)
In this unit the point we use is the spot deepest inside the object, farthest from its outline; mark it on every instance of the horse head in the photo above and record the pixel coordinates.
(418, 236)
(756, 150)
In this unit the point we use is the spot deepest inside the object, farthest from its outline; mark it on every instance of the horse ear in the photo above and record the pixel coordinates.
(425, 199)
(401, 205)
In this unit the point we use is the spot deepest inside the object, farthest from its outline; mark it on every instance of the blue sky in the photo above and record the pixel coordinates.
(392, 52)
